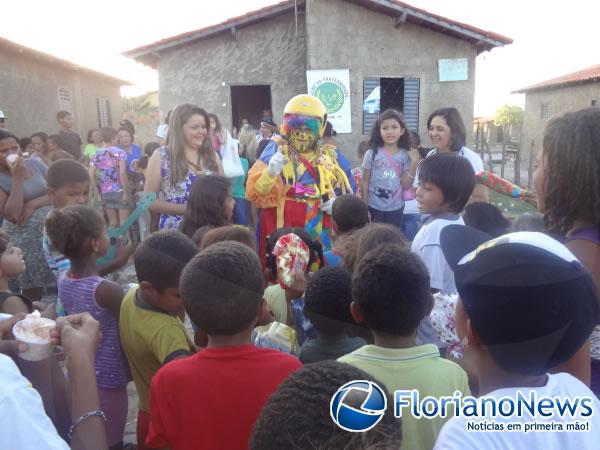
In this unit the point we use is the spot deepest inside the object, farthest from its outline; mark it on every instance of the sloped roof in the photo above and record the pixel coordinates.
(484, 40)
(589, 75)
(13, 47)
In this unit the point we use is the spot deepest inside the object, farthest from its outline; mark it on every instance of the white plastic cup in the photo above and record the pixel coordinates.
(35, 332)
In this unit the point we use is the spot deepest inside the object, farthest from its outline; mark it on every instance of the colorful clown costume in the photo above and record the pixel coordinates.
(294, 198)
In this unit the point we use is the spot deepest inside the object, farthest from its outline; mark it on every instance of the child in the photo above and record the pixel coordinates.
(212, 399)
(11, 266)
(327, 305)
(519, 321)
(210, 203)
(349, 214)
(295, 416)
(357, 173)
(411, 218)
(54, 144)
(109, 167)
(236, 233)
(70, 139)
(69, 184)
(391, 295)
(241, 210)
(79, 233)
(388, 168)
(285, 297)
(94, 142)
(566, 183)
(151, 332)
(369, 237)
(39, 142)
(487, 218)
(445, 185)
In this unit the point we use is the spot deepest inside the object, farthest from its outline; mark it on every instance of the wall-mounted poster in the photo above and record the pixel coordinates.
(453, 69)
(332, 87)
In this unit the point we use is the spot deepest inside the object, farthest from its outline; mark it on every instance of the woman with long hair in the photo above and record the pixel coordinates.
(173, 168)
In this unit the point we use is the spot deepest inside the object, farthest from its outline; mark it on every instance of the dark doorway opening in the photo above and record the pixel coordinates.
(392, 93)
(249, 102)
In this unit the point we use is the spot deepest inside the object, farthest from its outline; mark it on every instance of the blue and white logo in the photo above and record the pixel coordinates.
(358, 406)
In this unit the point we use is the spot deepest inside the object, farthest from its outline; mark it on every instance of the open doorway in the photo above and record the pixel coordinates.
(249, 102)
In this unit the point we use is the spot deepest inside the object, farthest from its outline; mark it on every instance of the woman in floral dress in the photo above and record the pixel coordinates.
(173, 168)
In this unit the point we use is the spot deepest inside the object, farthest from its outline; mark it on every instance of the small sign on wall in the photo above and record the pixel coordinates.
(332, 87)
(453, 69)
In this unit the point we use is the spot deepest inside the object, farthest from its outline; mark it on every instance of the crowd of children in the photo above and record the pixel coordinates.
(456, 300)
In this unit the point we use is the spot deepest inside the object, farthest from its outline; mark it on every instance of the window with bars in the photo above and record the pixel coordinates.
(64, 99)
(103, 107)
(380, 94)
(545, 111)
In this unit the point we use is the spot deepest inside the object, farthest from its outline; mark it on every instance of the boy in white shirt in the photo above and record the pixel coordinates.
(446, 182)
(526, 305)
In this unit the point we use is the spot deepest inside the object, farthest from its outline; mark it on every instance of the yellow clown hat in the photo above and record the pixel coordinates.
(307, 105)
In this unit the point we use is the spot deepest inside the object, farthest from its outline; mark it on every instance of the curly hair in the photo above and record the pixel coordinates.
(367, 238)
(571, 153)
(327, 300)
(206, 204)
(222, 288)
(296, 415)
(238, 233)
(391, 288)
(72, 228)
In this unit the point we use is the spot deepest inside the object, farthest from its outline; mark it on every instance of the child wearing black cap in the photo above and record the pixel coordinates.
(446, 182)
(526, 305)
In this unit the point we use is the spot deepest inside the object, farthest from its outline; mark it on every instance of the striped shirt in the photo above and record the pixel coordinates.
(78, 295)
(58, 263)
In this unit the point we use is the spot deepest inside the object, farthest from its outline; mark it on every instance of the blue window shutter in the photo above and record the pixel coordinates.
(369, 118)
(411, 103)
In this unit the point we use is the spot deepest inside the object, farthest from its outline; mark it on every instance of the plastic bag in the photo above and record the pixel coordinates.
(276, 336)
(232, 166)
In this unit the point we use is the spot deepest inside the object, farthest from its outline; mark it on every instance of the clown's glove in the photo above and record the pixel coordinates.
(276, 164)
(327, 206)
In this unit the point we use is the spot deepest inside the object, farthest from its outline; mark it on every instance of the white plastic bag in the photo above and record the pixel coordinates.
(232, 166)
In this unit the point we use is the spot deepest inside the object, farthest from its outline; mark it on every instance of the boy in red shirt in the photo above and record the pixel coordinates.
(212, 399)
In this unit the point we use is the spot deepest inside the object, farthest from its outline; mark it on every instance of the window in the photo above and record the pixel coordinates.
(380, 94)
(103, 106)
(64, 99)
(594, 102)
(545, 111)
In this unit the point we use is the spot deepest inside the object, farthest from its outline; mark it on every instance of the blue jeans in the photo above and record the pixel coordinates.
(391, 217)
(410, 225)
(241, 212)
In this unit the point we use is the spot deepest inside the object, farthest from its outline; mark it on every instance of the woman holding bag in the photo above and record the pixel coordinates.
(173, 168)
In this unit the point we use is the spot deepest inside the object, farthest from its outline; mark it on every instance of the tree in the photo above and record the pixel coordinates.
(510, 117)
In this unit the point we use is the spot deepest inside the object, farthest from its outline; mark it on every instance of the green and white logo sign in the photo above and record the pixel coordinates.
(332, 87)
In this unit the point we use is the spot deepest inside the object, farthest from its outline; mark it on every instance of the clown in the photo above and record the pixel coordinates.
(296, 179)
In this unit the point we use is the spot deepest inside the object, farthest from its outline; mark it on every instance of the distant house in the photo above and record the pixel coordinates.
(34, 86)
(397, 56)
(554, 97)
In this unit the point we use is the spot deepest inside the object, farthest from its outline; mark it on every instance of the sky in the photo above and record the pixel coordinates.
(551, 38)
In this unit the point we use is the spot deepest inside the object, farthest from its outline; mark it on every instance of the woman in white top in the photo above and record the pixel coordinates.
(448, 134)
